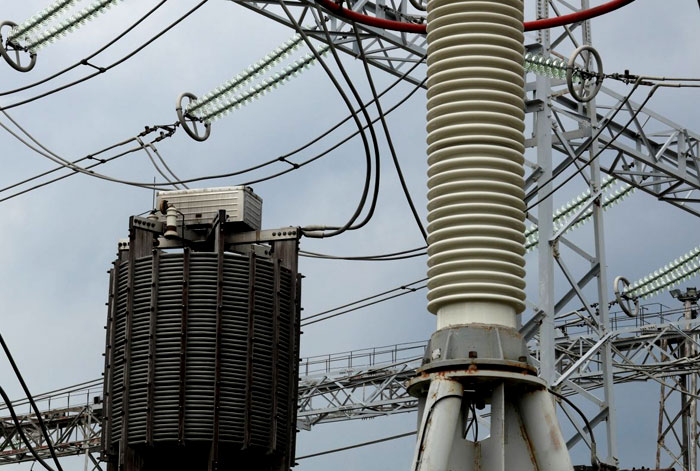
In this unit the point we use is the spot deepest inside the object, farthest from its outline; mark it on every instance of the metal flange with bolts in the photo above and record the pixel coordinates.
(189, 122)
(9, 48)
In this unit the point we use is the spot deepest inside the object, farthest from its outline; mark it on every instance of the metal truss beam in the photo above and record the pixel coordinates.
(582, 352)
(386, 50)
(370, 383)
(74, 431)
(654, 154)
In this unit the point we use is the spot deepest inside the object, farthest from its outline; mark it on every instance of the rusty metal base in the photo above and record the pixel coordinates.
(477, 346)
(467, 368)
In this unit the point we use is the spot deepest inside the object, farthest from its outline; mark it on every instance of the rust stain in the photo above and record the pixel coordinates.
(526, 439)
(553, 427)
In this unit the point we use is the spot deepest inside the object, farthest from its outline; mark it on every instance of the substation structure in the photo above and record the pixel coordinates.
(579, 347)
(637, 147)
(371, 383)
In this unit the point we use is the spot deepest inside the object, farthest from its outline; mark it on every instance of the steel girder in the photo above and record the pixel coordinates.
(388, 51)
(370, 383)
(640, 147)
(73, 431)
(654, 153)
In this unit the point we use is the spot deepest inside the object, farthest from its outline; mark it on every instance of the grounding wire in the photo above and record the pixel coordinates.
(420, 446)
(389, 140)
(91, 56)
(20, 430)
(358, 445)
(40, 420)
(350, 224)
(102, 70)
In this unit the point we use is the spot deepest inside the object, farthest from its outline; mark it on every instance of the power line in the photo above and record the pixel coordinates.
(320, 232)
(353, 306)
(74, 167)
(88, 58)
(42, 425)
(20, 430)
(390, 142)
(404, 254)
(171, 129)
(296, 166)
(101, 70)
(56, 169)
(358, 445)
(374, 296)
(47, 153)
(71, 173)
(162, 161)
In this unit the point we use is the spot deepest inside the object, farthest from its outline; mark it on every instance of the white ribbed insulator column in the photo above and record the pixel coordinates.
(475, 156)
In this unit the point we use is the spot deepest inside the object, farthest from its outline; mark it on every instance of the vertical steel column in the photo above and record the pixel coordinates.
(602, 279)
(661, 439)
(690, 414)
(545, 208)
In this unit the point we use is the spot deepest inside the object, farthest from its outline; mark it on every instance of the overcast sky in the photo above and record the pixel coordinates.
(57, 243)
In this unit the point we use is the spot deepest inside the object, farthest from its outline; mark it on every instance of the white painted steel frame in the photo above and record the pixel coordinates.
(655, 155)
